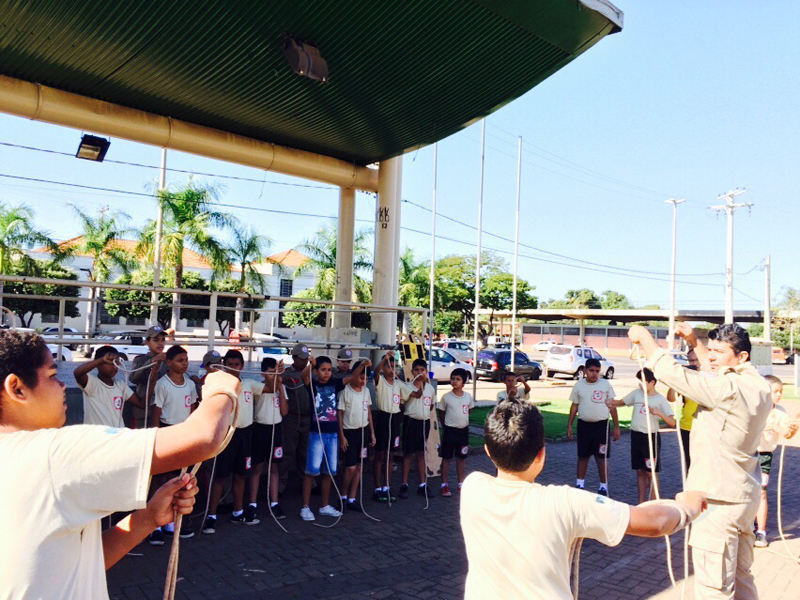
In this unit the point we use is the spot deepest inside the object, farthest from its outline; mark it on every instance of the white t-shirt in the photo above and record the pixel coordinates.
(59, 484)
(456, 409)
(175, 401)
(591, 399)
(521, 394)
(389, 396)
(102, 404)
(267, 409)
(777, 426)
(419, 408)
(251, 389)
(356, 407)
(519, 535)
(639, 418)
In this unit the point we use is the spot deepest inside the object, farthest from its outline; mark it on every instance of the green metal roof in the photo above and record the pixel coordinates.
(403, 73)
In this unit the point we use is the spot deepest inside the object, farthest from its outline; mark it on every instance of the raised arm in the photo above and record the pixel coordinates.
(140, 402)
(656, 519)
(524, 383)
(684, 331)
(379, 369)
(353, 375)
(82, 372)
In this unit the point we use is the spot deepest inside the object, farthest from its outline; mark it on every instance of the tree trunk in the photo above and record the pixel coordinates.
(90, 316)
(407, 322)
(176, 298)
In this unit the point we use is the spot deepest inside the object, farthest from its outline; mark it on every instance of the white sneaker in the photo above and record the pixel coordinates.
(306, 514)
(329, 511)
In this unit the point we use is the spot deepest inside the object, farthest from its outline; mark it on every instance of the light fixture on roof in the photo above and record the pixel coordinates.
(304, 59)
(93, 148)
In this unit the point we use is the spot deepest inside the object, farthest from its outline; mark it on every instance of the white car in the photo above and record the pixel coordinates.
(543, 346)
(127, 343)
(71, 335)
(443, 363)
(66, 353)
(461, 350)
(281, 353)
(571, 360)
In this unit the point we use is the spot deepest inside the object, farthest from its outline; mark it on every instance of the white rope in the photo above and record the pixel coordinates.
(389, 448)
(361, 469)
(272, 448)
(121, 366)
(780, 509)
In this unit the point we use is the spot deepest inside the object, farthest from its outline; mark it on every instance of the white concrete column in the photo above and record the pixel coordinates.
(384, 273)
(345, 237)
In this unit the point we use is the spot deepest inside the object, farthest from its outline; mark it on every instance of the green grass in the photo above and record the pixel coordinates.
(556, 415)
(790, 392)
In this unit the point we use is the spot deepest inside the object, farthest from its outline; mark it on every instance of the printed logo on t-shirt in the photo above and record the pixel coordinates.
(363, 453)
(248, 462)
(598, 396)
(248, 397)
(465, 409)
(464, 450)
(276, 402)
(278, 452)
(397, 442)
(395, 398)
(187, 400)
(426, 400)
(118, 402)
(602, 449)
(648, 463)
(643, 410)
(366, 405)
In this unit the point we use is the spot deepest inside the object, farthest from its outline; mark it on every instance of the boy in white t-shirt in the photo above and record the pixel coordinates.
(589, 398)
(640, 447)
(389, 393)
(77, 475)
(520, 534)
(511, 380)
(104, 396)
(777, 427)
(454, 408)
(419, 401)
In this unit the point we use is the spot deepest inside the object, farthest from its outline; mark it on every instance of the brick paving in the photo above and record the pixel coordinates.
(419, 554)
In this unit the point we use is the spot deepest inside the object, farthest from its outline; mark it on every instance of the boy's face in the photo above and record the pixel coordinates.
(511, 382)
(179, 364)
(109, 370)
(388, 368)
(456, 382)
(46, 405)
(156, 344)
(592, 374)
(418, 370)
(234, 364)
(721, 354)
(299, 363)
(651, 387)
(324, 372)
(777, 392)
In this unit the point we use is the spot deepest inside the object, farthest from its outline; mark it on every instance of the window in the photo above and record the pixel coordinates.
(286, 287)
(195, 322)
(520, 359)
(107, 319)
(579, 352)
(50, 318)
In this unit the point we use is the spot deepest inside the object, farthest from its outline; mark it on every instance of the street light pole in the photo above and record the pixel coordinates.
(162, 184)
(729, 206)
(671, 338)
(516, 258)
(478, 264)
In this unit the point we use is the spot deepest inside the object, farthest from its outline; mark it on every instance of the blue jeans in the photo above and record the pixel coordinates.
(323, 453)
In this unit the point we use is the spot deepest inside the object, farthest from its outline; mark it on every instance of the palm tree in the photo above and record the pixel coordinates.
(247, 251)
(99, 240)
(414, 284)
(17, 231)
(189, 218)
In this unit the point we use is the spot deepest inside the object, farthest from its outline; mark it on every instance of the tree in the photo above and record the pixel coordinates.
(304, 315)
(247, 251)
(497, 293)
(227, 318)
(189, 220)
(610, 300)
(414, 285)
(26, 309)
(583, 298)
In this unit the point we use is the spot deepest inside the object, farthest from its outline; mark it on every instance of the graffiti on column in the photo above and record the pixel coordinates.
(383, 217)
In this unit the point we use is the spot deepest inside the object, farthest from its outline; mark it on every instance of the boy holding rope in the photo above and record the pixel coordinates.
(155, 339)
(512, 391)
(521, 536)
(733, 409)
(454, 409)
(75, 476)
(417, 426)
(388, 397)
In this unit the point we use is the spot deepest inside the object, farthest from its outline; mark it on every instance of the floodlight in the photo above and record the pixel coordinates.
(304, 59)
(93, 148)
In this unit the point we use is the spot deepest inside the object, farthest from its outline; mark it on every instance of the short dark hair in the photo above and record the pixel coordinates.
(514, 434)
(322, 360)
(733, 335)
(358, 364)
(21, 354)
(420, 362)
(232, 354)
(103, 350)
(772, 379)
(459, 372)
(509, 374)
(268, 363)
(175, 351)
(649, 376)
(592, 362)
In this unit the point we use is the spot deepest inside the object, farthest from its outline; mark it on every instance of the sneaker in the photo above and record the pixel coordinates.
(306, 514)
(167, 533)
(602, 492)
(239, 519)
(329, 511)
(761, 540)
(186, 529)
(380, 496)
(156, 538)
(210, 526)
(391, 496)
(354, 506)
(445, 491)
(422, 490)
(580, 487)
(250, 517)
(277, 512)
(403, 493)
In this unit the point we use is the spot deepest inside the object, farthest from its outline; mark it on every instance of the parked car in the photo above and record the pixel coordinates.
(281, 353)
(127, 343)
(461, 350)
(66, 353)
(681, 358)
(544, 346)
(70, 335)
(443, 363)
(571, 360)
(494, 364)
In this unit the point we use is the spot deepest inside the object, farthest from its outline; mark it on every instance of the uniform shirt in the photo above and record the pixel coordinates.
(733, 409)
(389, 396)
(777, 426)
(639, 418)
(326, 403)
(355, 406)
(251, 390)
(64, 481)
(175, 401)
(521, 394)
(519, 535)
(267, 408)
(687, 414)
(419, 408)
(102, 404)
(139, 378)
(456, 409)
(298, 396)
(591, 399)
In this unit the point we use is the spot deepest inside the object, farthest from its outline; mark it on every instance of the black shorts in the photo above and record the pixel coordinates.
(414, 440)
(765, 460)
(237, 456)
(455, 442)
(263, 443)
(355, 448)
(386, 440)
(593, 439)
(640, 451)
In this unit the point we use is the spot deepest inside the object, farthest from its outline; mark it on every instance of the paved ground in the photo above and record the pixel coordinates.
(416, 553)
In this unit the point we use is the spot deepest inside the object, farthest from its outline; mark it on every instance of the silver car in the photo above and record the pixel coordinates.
(461, 350)
(571, 360)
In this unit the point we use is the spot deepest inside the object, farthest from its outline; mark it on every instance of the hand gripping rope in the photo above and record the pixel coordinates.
(365, 408)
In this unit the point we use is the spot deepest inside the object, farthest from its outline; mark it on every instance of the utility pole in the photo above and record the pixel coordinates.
(671, 337)
(162, 184)
(478, 264)
(730, 206)
(516, 259)
(767, 307)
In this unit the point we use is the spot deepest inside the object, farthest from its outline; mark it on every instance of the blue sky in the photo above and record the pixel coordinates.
(689, 100)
